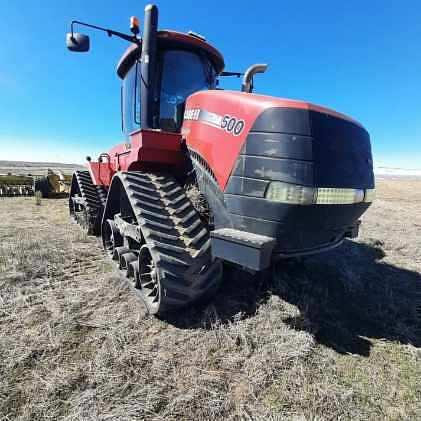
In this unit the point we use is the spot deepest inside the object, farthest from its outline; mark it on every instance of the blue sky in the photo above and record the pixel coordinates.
(362, 58)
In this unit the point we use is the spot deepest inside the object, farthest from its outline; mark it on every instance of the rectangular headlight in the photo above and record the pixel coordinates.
(334, 196)
(293, 194)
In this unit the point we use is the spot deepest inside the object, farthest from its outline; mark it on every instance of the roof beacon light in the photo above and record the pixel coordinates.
(134, 25)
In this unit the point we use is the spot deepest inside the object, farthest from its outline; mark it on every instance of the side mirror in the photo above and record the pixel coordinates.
(77, 42)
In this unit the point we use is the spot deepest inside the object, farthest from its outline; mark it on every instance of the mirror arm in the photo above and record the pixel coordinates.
(225, 74)
(110, 32)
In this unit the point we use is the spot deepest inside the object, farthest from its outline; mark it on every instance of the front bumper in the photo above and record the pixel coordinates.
(256, 252)
(297, 229)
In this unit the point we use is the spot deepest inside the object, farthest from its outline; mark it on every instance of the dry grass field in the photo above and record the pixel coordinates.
(327, 337)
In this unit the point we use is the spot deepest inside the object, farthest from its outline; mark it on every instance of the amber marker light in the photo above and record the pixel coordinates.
(134, 25)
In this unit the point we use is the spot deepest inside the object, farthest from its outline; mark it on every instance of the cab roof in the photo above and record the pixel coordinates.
(172, 39)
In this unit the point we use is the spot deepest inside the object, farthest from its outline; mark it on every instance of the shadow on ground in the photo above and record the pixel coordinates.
(345, 297)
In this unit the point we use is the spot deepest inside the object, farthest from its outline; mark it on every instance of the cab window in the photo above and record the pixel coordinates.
(130, 100)
(183, 73)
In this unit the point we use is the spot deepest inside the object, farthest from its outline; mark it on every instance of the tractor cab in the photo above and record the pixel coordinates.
(183, 64)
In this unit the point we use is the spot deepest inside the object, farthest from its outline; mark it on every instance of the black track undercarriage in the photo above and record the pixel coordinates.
(153, 232)
(86, 202)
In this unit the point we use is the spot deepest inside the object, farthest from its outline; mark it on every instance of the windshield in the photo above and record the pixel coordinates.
(183, 73)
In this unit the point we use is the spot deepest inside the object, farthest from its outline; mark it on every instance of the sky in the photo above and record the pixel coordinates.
(361, 58)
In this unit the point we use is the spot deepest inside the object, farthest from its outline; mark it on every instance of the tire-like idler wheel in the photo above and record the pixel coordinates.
(149, 280)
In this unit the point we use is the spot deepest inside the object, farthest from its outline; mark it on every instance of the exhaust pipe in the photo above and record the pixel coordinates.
(147, 65)
(247, 85)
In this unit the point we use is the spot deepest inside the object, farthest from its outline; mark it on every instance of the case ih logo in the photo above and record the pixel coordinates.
(230, 124)
(192, 114)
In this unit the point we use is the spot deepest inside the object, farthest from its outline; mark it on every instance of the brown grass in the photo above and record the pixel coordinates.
(332, 336)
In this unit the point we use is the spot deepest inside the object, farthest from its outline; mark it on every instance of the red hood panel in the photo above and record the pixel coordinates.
(219, 147)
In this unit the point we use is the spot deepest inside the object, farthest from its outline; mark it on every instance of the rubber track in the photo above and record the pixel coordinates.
(95, 198)
(178, 240)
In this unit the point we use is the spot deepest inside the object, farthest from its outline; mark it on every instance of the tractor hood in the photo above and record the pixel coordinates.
(272, 138)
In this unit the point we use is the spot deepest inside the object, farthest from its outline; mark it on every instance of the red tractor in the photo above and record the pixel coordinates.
(208, 176)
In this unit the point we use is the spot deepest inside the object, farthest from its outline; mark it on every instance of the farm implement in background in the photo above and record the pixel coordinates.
(54, 184)
(16, 185)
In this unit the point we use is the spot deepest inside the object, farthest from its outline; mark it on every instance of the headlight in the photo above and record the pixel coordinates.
(294, 194)
(278, 191)
(332, 196)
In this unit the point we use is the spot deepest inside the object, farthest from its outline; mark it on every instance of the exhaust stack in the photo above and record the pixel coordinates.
(247, 85)
(147, 63)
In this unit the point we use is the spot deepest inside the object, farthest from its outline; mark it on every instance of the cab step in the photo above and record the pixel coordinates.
(251, 251)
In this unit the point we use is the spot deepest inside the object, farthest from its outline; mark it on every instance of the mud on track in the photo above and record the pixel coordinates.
(338, 335)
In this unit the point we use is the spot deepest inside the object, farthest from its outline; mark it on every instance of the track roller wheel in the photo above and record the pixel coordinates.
(134, 269)
(124, 264)
(82, 218)
(111, 237)
(119, 252)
